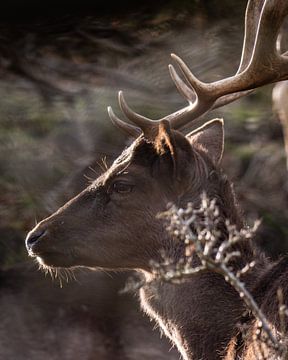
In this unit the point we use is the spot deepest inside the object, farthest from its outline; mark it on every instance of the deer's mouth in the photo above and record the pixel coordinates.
(53, 258)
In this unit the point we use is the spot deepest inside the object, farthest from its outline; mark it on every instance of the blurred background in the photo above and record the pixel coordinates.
(60, 67)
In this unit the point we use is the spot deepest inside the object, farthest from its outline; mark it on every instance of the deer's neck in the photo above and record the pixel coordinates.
(199, 316)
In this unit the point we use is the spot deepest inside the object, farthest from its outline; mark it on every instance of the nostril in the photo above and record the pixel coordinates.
(33, 237)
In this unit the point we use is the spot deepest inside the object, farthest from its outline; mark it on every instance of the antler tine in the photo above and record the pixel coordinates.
(269, 26)
(252, 16)
(132, 130)
(184, 90)
(199, 103)
(143, 123)
(197, 85)
(139, 120)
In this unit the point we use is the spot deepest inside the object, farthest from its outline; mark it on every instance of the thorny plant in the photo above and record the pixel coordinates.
(198, 229)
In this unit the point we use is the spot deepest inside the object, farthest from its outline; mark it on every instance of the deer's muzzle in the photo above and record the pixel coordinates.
(33, 238)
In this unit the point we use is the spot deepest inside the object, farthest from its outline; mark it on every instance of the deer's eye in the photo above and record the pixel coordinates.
(122, 187)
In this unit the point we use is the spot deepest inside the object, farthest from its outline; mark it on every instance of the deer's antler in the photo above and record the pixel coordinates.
(260, 64)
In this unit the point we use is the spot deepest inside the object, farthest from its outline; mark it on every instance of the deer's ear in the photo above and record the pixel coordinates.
(210, 138)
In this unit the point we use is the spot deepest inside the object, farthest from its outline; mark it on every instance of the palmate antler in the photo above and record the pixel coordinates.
(260, 64)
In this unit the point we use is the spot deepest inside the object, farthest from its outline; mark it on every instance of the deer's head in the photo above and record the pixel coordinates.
(113, 223)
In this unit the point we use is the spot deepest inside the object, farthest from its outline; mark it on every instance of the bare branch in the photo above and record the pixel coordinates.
(198, 228)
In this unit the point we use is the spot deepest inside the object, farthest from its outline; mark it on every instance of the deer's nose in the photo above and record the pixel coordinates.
(33, 237)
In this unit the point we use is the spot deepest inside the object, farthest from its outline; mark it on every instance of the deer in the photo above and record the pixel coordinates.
(113, 223)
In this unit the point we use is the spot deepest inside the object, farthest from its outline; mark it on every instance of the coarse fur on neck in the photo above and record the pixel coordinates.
(201, 315)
